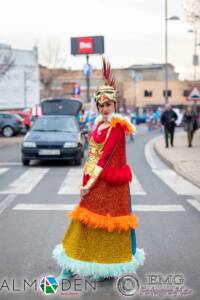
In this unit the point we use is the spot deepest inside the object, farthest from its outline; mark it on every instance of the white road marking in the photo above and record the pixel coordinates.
(158, 208)
(69, 207)
(177, 183)
(26, 182)
(3, 170)
(72, 182)
(10, 163)
(135, 187)
(23, 206)
(149, 154)
(4, 204)
(194, 203)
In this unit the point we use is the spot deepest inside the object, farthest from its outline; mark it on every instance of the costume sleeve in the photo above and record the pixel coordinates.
(116, 136)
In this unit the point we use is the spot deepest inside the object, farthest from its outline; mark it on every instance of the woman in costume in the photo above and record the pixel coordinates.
(100, 241)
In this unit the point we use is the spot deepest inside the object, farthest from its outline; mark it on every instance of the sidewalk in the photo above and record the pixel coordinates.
(5, 142)
(184, 160)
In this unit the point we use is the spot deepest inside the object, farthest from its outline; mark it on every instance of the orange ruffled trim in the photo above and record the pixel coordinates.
(122, 223)
(128, 127)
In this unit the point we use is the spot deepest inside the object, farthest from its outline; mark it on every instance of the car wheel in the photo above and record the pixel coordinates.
(8, 131)
(82, 155)
(78, 161)
(25, 162)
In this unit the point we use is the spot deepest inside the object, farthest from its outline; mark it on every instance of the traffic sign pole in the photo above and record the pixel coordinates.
(88, 80)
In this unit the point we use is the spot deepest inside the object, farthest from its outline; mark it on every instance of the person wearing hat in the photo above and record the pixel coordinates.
(100, 241)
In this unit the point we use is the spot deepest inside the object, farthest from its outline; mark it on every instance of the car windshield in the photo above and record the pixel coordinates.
(66, 124)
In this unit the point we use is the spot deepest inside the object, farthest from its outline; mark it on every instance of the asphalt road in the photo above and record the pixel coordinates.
(35, 200)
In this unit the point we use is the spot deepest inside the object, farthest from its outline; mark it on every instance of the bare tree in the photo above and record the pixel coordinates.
(6, 60)
(192, 8)
(52, 66)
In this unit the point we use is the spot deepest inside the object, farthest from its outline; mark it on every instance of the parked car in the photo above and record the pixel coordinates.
(10, 124)
(53, 138)
(25, 115)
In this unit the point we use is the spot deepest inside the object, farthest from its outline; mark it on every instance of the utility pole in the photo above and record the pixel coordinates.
(166, 54)
(195, 57)
(173, 18)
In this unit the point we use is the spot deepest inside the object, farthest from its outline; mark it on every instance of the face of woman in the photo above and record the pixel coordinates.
(106, 108)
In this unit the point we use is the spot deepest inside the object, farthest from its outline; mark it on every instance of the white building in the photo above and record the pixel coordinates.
(19, 86)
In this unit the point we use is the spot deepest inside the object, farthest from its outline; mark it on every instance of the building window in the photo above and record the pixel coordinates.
(148, 93)
(169, 93)
(186, 93)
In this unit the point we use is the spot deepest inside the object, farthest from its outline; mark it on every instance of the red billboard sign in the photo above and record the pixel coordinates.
(85, 45)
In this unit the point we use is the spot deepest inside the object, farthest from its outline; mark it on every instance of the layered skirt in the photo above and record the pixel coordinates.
(100, 240)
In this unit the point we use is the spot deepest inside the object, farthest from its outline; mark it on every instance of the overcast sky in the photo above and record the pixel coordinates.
(133, 29)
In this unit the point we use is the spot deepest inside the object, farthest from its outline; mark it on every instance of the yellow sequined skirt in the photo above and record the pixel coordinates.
(96, 244)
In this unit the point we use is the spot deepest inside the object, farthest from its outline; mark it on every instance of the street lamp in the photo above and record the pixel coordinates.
(173, 18)
(195, 56)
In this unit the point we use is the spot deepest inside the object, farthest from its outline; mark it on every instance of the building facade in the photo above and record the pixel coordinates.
(139, 86)
(19, 79)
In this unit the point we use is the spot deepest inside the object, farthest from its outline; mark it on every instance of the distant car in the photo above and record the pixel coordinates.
(10, 124)
(53, 138)
(138, 119)
(141, 118)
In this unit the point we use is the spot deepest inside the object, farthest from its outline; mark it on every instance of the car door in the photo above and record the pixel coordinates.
(1, 121)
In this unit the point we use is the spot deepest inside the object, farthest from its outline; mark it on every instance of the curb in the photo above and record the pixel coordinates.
(174, 167)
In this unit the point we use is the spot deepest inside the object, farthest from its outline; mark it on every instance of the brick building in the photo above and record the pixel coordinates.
(139, 86)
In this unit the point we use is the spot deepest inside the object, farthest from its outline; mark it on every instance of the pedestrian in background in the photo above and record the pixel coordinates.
(190, 124)
(168, 120)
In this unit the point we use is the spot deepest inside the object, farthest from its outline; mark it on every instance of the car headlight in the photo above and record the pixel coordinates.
(29, 144)
(70, 145)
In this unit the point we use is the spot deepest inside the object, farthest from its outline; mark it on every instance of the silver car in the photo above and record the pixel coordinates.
(10, 124)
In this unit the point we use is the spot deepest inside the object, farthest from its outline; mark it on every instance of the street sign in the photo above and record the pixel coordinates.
(87, 70)
(194, 94)
(195, 60)
(76, 89)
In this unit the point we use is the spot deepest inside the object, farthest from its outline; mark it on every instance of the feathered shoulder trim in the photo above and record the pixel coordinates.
(115, 119)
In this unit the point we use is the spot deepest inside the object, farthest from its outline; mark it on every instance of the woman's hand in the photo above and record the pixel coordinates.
(84, 191)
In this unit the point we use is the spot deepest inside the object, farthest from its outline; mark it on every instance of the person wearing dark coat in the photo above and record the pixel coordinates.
(168, 120)
(190, 124)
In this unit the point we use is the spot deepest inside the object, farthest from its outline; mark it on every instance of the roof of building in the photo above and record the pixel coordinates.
(148, 66)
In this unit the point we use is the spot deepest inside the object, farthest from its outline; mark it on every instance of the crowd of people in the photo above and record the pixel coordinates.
(162, 119)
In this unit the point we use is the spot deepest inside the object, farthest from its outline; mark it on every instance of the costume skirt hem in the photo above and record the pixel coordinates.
(85, 268)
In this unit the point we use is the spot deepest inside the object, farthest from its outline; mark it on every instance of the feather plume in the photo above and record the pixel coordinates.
(107, 74)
